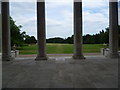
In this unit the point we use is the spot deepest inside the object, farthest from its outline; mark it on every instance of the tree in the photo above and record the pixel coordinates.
(55, 40)
(30, 39)
(87, 39)
(33, 40)
(27, 39)
(102, 36)
(99, 38)
(69, 40)
(19, 38)
(16, 35)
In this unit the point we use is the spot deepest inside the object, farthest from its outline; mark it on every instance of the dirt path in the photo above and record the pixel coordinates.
(56, 55)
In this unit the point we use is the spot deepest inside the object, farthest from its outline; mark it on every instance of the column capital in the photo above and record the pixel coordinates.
(77, 0)
(40, 0)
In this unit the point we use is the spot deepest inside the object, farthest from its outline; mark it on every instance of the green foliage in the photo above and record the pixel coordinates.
(16, 35)
(19, 38)
(30, 39)
(69, 40)
(55, 40)
(100, 38)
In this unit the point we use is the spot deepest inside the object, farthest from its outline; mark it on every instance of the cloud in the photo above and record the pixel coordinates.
(94, 17)
(58, 3)
(21, 8)
(24, 14)
(67, 3)
(91, 4)
(59, 17)
(21, 0)
(61, 27)
(94, 22)
(119, 12)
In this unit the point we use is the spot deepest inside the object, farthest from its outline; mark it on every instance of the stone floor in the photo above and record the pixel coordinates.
(61, 72)
(0, 73)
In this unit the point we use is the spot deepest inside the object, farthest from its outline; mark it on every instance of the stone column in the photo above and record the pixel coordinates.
(78, 31)
(6, 45)
(0, 49)
(41, 35)
(0, 33)
(113, 32)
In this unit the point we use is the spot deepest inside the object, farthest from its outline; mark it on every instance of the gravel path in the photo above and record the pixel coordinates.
(85, 54)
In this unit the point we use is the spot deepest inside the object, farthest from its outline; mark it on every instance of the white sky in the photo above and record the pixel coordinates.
(59, 17)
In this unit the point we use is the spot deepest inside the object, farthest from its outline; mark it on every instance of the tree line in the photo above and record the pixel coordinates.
(21, 38)
(99, 38)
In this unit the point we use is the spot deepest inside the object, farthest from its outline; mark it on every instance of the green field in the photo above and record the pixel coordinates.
(61, 48)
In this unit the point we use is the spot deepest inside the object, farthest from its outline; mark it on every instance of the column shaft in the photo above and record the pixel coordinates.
(113, 32)
(41, 35)
(78, 31)
(6, 45)
(0, 32)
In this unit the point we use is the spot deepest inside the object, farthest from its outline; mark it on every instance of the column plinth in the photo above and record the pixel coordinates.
(78, 57)
(41, 58)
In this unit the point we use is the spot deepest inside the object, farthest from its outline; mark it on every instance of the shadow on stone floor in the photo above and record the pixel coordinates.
(61, 72)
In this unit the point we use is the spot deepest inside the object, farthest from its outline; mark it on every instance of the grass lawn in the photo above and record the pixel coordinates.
(61, 48)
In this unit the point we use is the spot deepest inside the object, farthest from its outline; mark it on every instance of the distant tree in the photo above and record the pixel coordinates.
(30, 39)
(55, 40)
(69, 40)
(87, 39)
(33, 40)
(16, 35)
(27, 39)
(102, 36)
(99, 38)
(106, 36)
(20, 38)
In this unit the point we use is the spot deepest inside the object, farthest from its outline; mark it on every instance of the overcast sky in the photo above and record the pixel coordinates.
(59, 17)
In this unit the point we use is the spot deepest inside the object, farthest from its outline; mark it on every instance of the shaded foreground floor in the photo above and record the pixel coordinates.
(61, 72)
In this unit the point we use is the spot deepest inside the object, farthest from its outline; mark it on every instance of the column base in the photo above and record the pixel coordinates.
(41, 58)
(79, 57)
(7, 58)
(110, 55)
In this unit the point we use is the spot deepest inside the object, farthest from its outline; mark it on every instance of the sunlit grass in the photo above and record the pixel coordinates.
(61, 48)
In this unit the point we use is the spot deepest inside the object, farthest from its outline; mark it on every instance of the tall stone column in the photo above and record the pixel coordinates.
(6, 45)
(0, 32)
(113, 32)
(78, 31)
(41, 35)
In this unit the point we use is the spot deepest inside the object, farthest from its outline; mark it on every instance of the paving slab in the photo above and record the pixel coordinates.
(60, 72)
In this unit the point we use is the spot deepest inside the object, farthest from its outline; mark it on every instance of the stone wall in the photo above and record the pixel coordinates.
(15, 53)
(105, 51)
